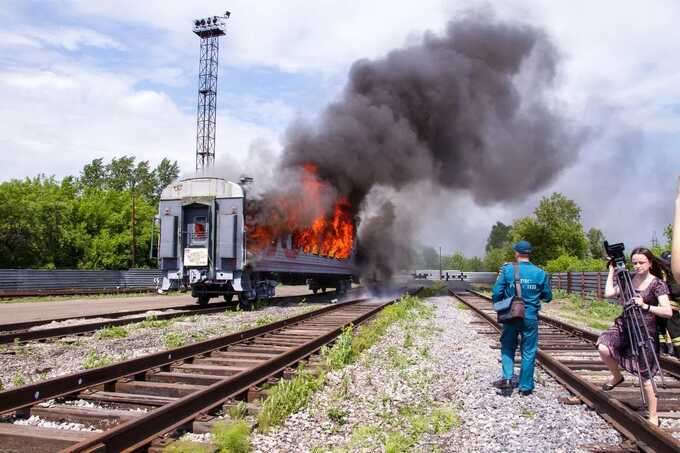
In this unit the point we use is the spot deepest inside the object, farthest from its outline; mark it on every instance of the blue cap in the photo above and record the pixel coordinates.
(522, 247)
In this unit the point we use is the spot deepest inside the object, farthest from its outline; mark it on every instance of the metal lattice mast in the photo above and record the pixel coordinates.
(209, 30)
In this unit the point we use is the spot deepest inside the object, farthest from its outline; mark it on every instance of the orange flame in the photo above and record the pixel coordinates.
(329, 234)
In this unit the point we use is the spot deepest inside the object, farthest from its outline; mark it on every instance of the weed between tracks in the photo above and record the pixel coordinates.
(94, 360)
(287, 397)
(112, 332)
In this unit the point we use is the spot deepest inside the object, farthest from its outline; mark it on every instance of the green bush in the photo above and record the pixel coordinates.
(568, 263)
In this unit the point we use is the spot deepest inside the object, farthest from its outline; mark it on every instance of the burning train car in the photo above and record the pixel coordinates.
(208, 245)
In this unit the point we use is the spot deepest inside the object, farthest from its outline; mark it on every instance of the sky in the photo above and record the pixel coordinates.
(86, 79)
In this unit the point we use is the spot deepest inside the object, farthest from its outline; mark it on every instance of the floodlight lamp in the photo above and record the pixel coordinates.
(197, 23)
(202, 21)
(227, 14)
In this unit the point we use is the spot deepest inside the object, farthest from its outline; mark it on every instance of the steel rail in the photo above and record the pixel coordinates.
(669, 364)
(135, 434)
(19, 398)
(628, 422)
(189, 310)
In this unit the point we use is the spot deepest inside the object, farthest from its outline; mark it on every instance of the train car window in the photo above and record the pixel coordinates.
(199, 230)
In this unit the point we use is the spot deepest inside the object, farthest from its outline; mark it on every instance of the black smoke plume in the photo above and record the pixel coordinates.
(468, 110)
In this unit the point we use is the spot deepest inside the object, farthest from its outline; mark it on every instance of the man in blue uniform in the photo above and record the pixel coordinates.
(535, 285)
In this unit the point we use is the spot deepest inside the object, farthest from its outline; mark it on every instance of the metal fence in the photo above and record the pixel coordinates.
(28, 282)
(589, 285)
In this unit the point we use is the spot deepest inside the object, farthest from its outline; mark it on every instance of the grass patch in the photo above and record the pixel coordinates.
(19, 348)
(112, 332)
(152, 322)
(444, 419)
(462, 306)
(232, 437)
(174, 339)
(436, 289)
(187, 446)
(362, 437)
(597, 314)
(238, 411)
(287, 397)
(18, 380)
(528, 413)
(94, 360)
(337, 415)
(264, 321)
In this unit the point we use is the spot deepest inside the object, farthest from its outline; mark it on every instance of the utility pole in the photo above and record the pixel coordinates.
(440, 262)
(209, 30)
(134, 239)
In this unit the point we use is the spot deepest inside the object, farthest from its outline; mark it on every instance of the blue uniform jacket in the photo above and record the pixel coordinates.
(535, 286)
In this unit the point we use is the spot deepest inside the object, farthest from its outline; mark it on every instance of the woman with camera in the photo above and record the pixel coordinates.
(613, 344)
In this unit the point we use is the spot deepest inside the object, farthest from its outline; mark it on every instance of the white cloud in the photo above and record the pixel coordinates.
(54, 122)
(69, 38)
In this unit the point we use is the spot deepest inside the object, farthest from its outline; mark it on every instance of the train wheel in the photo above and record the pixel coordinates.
(323, 290)
(203, 300)
(315, 290)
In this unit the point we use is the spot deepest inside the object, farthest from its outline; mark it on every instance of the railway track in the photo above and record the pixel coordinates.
(26, 331)
(179, 388)
(569, 355)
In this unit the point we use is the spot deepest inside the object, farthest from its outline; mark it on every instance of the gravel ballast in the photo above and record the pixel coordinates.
(34, 361)
(426, 386)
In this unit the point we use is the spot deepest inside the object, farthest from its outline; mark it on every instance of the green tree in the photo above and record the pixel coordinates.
(595, 243)
(474, 264)
(120, 173)
(456, 261)
(93, 175)
(498, 237)
(165, 173)
(430, 258)
(554, 230)
(495, 258)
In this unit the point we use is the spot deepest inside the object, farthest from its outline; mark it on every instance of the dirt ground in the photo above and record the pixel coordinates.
(61, 308)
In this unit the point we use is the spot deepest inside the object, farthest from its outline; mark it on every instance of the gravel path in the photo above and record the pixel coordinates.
(35, 361)
(425, 387)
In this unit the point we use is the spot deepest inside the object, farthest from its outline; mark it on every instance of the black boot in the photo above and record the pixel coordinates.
(500, 382)
(505, 387)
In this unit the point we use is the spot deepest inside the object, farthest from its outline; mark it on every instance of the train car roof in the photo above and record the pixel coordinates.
(202, 187)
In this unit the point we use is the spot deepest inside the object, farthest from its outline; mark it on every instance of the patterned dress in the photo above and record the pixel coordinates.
(616, 337)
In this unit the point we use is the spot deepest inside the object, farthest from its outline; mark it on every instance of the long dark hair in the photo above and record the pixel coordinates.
(656, 268)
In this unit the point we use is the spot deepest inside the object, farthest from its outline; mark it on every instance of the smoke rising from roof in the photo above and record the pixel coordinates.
(469, 110)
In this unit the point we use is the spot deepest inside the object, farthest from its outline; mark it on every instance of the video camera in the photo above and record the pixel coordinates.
(615, 253)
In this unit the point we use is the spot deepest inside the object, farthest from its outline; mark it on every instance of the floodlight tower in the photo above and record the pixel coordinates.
(209, 29)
